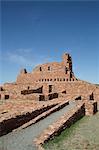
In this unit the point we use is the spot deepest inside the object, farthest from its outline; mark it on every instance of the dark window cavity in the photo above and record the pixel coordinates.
(49, 68)
(40, 69)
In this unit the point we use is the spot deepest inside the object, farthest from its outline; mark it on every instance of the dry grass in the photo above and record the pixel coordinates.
(83, 135)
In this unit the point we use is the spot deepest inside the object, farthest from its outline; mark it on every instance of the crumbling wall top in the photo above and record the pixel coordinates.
(23, 71)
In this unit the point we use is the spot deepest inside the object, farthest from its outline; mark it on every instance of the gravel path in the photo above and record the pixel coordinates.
(23, 139)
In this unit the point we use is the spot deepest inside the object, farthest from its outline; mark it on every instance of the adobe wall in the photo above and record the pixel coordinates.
(90, 108)
(44, 114)
(81, 109)
(14, 91)
(62, 123)
(49, 72)
(73, 88)
(57, 74)
(7, 125)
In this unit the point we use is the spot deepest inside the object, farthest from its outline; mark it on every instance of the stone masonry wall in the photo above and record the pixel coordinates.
(57, 74)
(63, 122)
(8, 125)
(90, 107)
(73, 88)
(49, 72)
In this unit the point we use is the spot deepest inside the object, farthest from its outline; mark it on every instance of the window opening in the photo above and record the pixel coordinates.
(50, 88)
(49, 68)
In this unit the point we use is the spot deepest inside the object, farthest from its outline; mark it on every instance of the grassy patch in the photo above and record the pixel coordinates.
(57, 141)
(84, 134)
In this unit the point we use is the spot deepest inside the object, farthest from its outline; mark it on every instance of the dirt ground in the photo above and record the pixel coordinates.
(83, 135)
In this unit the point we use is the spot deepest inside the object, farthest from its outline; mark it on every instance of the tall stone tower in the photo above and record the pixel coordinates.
(67, 60)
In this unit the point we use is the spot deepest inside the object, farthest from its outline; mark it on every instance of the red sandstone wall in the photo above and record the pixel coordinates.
(49, 71)
(8, 125)
(56, 76)
(62, 123)
(73, 88)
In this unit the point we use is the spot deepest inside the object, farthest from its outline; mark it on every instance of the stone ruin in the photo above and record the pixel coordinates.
(49, 81)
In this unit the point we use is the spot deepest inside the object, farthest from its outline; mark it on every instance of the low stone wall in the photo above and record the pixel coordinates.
(8, 125)
(74, 88)
(50, 96)
(31, 91)
(44, 115)
(64, 122)
(90, 107)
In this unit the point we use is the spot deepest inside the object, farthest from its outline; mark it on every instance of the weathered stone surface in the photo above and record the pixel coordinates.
(15, 113)
(45, 82)
(64, 122)
(44, 114)
(91, 108)
(7, 125)
(53, 77)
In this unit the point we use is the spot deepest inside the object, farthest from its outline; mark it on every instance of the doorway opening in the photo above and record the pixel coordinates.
(50, 88)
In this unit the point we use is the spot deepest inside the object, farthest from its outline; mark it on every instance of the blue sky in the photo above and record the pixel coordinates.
(33, 33)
